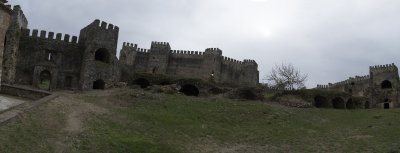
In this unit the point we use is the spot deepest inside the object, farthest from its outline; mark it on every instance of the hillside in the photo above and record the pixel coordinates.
(135, 120)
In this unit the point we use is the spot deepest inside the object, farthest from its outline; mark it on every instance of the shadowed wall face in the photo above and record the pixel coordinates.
(4, 23)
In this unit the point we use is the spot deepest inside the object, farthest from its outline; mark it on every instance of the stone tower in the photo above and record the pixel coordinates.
(384, 86)
(212, 64)
(159, 56)
(100, 64)
(18, 21)
(249, 72)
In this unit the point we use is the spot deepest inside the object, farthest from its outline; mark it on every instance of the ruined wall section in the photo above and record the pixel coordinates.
(58, 54)
(357, 86)
(100, 41)
(18, 21)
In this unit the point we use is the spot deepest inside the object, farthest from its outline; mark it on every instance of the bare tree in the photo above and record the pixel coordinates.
(286, 76)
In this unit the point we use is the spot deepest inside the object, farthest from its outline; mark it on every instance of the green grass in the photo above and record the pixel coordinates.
(44, 85)
(177, 121)
(144, 122)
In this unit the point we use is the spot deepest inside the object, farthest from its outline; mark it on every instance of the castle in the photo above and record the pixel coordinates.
(210, 64)
(381, 86)
(40, 58)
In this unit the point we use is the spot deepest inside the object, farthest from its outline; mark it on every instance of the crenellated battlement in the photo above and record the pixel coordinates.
(104, 25)
(186, 52)
(129, 45)
(159, 43)
(249, 61)
(213, 49)
(349, 81)
(227, 59)
(383, 68)
(50, 36)
(160, 46)
(142, 50)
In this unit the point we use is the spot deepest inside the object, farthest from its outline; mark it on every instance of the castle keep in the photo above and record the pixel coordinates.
(381, 87)
(55, 61)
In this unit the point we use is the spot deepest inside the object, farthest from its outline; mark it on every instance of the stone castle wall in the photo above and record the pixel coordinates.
(61, 56)
(381, 86)
(209, 65)
(89, 61)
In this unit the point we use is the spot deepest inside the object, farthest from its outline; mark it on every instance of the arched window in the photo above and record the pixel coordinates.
(386, 84)
(102, 55)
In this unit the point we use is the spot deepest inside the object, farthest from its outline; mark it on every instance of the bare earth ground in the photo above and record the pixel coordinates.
(133, 120)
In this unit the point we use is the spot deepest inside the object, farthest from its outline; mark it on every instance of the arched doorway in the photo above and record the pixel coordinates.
(144, 83)
(350, 104)
(321, 102)
(386, 105)
(367, 105)
(386, 84)
(99, 84)
(68, 82)
(45, 80)
(338, 103)
(102, 55)
(190, 90)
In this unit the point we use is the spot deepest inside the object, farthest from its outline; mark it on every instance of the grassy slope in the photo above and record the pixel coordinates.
(145, 122)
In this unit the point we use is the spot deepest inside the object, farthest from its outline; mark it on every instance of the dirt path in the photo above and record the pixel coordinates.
(76, 111)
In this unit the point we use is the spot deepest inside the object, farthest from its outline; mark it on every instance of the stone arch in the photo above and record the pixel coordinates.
(103, 55)
(144, 83)
(386, 105)
(386, 84)
(99, 84)
(350, 104)
(321, 102)
(190, 90)
(45, 80)
(338, 103)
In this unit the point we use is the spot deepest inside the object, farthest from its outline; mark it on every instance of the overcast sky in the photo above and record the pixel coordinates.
(330, 40)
